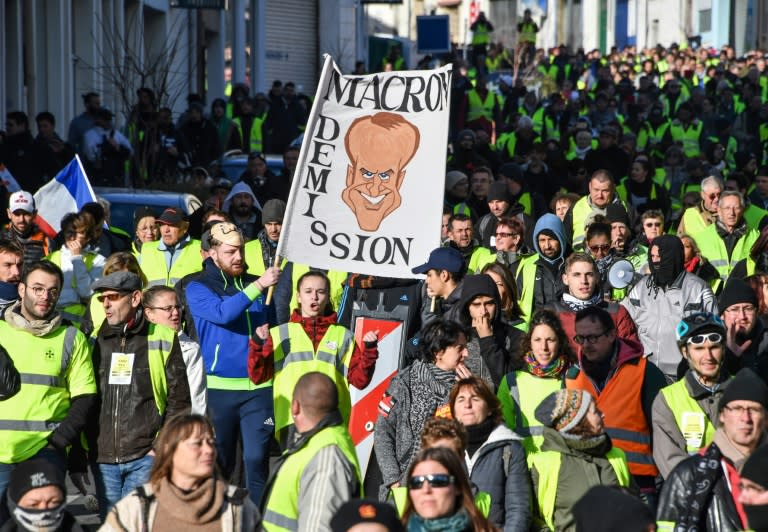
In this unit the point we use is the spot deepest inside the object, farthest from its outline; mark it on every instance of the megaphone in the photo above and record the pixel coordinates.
(621, 274)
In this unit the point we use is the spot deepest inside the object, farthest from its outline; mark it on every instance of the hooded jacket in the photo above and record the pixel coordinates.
(489, 357)
(548, 283)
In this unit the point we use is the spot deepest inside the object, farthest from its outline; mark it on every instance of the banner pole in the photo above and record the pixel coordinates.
(271, 289)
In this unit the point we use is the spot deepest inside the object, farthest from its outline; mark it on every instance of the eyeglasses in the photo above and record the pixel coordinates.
(168, 309)
(589, 338)
(111, 297)
(39, 291)
(436, 481)
(699, 339)
(714, 196)
(746, 309)
(505, 235)
(741, 410)
(652, 224)
(600, 247)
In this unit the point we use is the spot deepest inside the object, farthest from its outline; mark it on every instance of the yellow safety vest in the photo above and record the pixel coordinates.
(54, 369)
(547, 464)
(256, 137)
(479, 258)
(689, 137)
(152, 262)
(480, 108)
(693, 222)
(520, 393)
(753, 215)
(527, 271)
(73, 312)
(159, 344)
(336, 278)
(713, 249)
(623, 193)
(399, 496)
(527, 32)
(580, 213)
(255, 259)
(693, 422)
(481, 34)
(282, 509)
(295, 355)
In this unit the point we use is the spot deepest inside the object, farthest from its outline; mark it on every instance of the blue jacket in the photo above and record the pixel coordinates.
(226, 312)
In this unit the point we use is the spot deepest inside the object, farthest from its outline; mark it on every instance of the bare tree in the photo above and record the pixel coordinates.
(126, 63)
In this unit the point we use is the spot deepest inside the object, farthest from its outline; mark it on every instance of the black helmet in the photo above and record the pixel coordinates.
(697, 324)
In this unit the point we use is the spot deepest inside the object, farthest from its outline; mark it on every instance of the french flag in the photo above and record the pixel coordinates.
(65, 193)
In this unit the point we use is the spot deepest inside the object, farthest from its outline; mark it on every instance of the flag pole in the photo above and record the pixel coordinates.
(271, 289)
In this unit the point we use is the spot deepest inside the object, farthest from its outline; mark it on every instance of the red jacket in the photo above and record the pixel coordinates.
(361, 366)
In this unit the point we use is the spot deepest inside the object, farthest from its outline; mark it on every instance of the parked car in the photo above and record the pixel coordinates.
(124, 201)
(233, 164)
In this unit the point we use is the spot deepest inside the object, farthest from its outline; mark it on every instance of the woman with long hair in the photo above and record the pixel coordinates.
(184, 491)
(494, 456)
(439, 495)
(511, 313)
(546, 355)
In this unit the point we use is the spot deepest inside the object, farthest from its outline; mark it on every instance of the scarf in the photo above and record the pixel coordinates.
(670, 265)
(604, 264)
(183, 509)
(35, 327)
(478, 434)
(593, 446)
(48, 520)
(576, 304)
(458, 522)
(692, 264)
(553, 370)
(268, 248)
(698, 492)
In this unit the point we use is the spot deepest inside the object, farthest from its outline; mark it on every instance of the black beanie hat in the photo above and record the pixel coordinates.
(142, 212)
(736, 291)
(33, 474)
(615, 212)
(512, 171)
(498, 191)
(357, 512)
(619, 510)
(745, 386)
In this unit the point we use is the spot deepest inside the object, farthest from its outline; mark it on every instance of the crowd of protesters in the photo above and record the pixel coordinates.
(537, 391)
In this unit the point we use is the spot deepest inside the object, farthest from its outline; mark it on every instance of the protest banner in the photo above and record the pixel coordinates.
(367, 196)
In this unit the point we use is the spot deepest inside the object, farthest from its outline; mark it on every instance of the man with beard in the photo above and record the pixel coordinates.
(227, 307)
(22, 228)
(44, 347)
(461, 238)
(244, 208)
(260, 252)
(746, 339)
(11, 256)
(661, 299)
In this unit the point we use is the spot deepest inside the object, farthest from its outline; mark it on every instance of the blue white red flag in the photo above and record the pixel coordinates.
(65, 193)
(8, 181)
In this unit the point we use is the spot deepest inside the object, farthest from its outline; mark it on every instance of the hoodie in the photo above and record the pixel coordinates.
(548, 285)
(489, 357)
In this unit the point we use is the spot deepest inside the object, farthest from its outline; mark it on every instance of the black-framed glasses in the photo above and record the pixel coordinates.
(589, 338)
(741, 410)
(699, 339)
(436, 481)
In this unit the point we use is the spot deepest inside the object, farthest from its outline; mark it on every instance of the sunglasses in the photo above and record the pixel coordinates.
(436, 481)
(699, 339)
(600, 247)
(111, 297)
(652, 224)
(504, 235)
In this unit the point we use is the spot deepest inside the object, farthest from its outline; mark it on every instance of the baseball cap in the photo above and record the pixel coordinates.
(356, 512)
(699, 323)
(171, 216)
(21, 201)
(442, 259)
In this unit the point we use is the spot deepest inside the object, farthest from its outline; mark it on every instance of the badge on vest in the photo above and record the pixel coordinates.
(331, 345)
(121, 368)
(693, 425)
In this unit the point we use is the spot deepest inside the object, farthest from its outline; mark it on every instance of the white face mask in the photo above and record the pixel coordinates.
(48, 520)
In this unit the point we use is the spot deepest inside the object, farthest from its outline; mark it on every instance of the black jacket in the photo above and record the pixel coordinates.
(128, 419)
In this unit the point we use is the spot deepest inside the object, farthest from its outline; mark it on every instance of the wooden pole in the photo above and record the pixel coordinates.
(271, 289)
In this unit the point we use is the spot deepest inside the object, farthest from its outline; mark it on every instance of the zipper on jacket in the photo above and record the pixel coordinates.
(116, 458)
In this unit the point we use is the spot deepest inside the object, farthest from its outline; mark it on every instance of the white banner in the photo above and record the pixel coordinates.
(367, 196)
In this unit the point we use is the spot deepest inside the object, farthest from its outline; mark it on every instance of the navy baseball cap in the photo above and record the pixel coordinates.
(442, 259)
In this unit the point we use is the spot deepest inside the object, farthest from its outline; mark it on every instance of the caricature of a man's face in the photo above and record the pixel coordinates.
(379, 147)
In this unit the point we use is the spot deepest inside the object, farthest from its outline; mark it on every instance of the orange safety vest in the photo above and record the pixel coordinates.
(622, 403)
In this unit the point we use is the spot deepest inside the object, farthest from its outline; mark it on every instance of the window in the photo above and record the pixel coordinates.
(705, 20)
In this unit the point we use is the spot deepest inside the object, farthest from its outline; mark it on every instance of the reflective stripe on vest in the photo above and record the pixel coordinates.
(294, 355)
(527, 272)
(282, 508)
(621, 402)
(681, 404)
(547, 464)
(713, 249)
(520, 414)
(28, 418)
(153, 264)
(159, 344)
(480, 108)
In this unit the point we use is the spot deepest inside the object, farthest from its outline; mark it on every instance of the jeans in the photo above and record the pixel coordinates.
(46, 453)
(233, 412)
(115, 481)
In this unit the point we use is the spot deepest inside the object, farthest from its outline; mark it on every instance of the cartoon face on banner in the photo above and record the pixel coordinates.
(379, 147)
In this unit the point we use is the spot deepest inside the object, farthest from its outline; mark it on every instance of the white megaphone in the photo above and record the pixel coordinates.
(621, 274)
